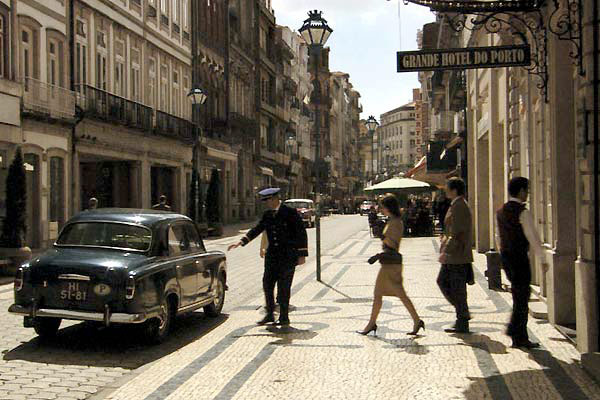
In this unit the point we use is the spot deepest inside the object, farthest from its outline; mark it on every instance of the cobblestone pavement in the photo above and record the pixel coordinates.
(320, 356)
(84, 361)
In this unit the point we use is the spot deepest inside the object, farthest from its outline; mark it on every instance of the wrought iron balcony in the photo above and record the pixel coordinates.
(172, 126)
(241, 122)
(49, 101)
(108, 107)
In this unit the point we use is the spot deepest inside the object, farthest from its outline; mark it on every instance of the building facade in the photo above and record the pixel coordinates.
(398, 139)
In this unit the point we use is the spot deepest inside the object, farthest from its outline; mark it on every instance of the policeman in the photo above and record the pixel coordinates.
(288, 247)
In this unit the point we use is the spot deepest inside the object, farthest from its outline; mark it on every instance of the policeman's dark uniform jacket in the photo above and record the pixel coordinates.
(515, 260)
(287, 242)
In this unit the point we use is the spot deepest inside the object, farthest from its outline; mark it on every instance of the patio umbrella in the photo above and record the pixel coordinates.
(400, 186)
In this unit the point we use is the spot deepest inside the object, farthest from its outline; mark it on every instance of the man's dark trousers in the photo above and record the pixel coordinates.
(452, 281)
(518, 271)
(279, 269)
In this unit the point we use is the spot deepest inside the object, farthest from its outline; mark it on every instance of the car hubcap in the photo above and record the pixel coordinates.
(219, 294)
(163, 316)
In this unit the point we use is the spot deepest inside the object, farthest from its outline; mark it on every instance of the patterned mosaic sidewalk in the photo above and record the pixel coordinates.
(321, 356)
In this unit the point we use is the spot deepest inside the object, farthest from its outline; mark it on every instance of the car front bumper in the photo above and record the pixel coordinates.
(107, 317)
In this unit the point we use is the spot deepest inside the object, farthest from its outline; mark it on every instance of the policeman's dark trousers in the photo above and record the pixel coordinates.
(452, 281)
(518, 271)
(282, 274)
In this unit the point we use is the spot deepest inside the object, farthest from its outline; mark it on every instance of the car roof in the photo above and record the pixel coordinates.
(143, 217)
(305, 200)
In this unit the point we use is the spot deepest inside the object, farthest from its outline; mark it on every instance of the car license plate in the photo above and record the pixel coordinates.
(74, 291)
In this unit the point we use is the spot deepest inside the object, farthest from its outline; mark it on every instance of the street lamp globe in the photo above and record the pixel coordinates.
(315, 30)
(197, 96)
(371, 123)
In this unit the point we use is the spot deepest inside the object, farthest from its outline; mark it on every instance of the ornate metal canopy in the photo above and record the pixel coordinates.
(524, 20)
(468, 6)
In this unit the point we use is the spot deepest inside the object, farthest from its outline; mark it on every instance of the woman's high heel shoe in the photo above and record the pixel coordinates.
(372, 329)
(418, 327)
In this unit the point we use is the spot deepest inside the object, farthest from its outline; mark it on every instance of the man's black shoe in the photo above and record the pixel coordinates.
(526, 344)
(267, 319)
(283, 322)
(457, 330)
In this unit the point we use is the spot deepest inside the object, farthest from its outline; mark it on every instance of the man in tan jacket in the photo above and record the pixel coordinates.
(456, 255)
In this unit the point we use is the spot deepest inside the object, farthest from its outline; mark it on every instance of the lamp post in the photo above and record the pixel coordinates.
(372, 125)
(315, 32)
(291, 142)
(387, 149)
(197, 97)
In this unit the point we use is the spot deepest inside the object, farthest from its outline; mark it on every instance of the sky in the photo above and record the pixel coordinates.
(366, 36)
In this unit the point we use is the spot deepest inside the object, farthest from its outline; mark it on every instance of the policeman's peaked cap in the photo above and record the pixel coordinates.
(268, 193)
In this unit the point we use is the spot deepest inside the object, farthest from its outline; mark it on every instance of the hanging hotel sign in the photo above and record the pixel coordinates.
(464, 58)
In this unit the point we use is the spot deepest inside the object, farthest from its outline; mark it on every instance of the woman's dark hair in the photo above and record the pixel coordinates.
(390, 202)
(516, 185)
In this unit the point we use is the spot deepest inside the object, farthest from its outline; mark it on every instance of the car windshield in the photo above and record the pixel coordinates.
(297, 204)
(106, 234)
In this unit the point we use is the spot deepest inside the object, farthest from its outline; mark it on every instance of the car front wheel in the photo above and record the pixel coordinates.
(214, 309)
(46, 328)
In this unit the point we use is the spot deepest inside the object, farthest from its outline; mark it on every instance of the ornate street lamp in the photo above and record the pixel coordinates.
(197, 97)
(372, 125)
(316, 32)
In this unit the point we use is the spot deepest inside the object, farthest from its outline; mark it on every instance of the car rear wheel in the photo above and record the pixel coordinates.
(157, 329)
(214, 309)
(46, 328)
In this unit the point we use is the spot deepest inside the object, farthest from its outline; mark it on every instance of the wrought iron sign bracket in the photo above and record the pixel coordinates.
(566, 22)
(526, 26)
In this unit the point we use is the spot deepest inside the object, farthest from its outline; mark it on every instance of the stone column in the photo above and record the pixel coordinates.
(561, 277)
(145, 187)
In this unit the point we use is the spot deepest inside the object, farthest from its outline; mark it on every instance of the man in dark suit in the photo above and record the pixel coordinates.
(288, 247)
(517, 236)
(456, 255)
(162, 204)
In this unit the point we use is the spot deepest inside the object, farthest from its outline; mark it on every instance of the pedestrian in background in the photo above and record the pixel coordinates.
(516, 236)
(287, 248)
(389, 280)
(92, 203)
(162, 204)
(456, 254)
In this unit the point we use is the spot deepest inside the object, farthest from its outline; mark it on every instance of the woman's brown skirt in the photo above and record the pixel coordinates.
(389, 280)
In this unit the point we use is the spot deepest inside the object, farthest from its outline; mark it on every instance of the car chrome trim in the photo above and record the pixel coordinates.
(192, 307)
(74, 277)
(119, 318)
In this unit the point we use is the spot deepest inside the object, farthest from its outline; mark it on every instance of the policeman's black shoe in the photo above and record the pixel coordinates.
(283, 322)
(267, 319)
(525, 344)
(459, 328)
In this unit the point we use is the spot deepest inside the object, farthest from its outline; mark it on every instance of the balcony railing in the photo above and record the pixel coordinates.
(47, 100)
(109, 107)
(172, 126)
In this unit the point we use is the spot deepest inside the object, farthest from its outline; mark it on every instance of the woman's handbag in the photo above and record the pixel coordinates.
(387, 256)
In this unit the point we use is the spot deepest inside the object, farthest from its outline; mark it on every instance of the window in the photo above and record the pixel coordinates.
(412, 143)
(164, 92)
(151, 82)
(184, 14)
(186, 104)
(194, 239)
(3, 46)
(178, 241)
(57, 190)
(81, 66)
(175, 96)
(119, 78)
(135, 75)
(163, 6)
(175, 8)
(101, 63)
(263, 136)
(27, 48)
(106, 234)
(53, 63)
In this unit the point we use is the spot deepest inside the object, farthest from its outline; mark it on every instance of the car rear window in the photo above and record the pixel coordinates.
(297, 204)
(106, 234)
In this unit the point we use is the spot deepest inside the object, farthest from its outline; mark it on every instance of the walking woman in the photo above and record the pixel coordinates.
(389, 278)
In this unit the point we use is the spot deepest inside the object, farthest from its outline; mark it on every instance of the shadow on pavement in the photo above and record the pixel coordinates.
(116, 346)
(483, 342)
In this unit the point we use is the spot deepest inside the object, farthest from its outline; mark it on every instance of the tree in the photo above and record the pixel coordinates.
(14, 228)
(194, 201)
(213, 212)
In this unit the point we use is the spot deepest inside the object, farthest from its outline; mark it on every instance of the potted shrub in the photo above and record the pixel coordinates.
(12, 240)
(213, 209)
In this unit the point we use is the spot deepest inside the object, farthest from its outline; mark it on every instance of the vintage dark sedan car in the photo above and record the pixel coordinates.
(121, 266)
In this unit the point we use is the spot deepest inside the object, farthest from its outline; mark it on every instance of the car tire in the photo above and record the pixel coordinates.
(46, 328)
(214, 309)
(157, 329)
